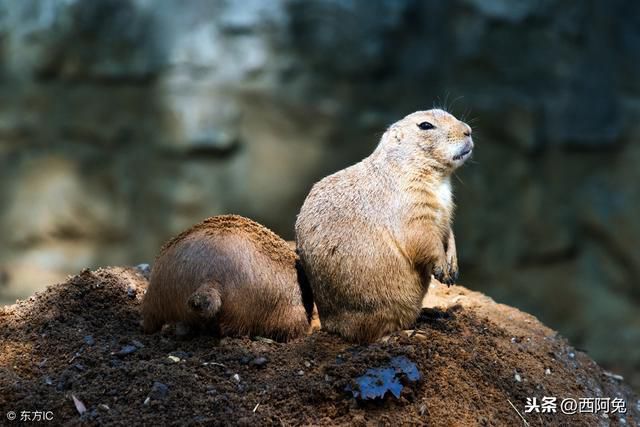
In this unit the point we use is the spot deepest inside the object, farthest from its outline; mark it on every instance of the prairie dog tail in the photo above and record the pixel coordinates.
(206, 300)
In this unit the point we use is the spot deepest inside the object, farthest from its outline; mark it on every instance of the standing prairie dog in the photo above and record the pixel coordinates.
(232, 276)
(370, 236)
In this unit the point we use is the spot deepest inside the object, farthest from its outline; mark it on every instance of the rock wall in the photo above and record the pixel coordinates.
(123, 122)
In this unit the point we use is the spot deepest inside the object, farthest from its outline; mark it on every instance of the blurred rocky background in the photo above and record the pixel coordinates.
(123, 122)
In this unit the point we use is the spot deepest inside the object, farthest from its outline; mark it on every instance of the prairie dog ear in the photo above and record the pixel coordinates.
(395, 133)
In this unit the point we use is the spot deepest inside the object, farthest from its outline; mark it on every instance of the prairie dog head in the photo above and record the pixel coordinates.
(434, 136)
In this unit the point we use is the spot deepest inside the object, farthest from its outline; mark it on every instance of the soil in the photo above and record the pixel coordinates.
(77, 347)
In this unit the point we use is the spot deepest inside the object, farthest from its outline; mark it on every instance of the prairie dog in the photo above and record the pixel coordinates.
(232, 276)
(370, 236)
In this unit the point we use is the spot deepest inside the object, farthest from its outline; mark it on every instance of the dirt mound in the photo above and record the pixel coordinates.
(478, 362)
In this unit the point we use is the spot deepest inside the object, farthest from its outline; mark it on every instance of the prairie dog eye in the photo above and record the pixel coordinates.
(425, 126)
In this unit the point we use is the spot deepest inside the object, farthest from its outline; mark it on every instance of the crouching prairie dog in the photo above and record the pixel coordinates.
(231, 276)
(370, 236)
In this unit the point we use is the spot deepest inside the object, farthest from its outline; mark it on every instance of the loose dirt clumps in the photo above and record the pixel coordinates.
(479, 362)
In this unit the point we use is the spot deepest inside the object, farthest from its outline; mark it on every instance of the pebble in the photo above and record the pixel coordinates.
(126, 350)
(236, 378)
(144, 269)
(518, 377)
(181, 354)
(174, 359)
(259, 361)
(307, 363)
(132, 291)
(88, 340)
(300, 372)
(64, 382)
(547, 371)
(159, 391)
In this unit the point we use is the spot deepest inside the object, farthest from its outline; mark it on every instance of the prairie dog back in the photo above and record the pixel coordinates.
(230, 275)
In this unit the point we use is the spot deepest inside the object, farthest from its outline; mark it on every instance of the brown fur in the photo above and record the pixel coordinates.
(231, 275)
(370, 236)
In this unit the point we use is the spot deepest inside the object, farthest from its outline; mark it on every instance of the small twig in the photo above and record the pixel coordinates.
(614, 376)
(256, 407)
(222, 365)
(518, 412)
